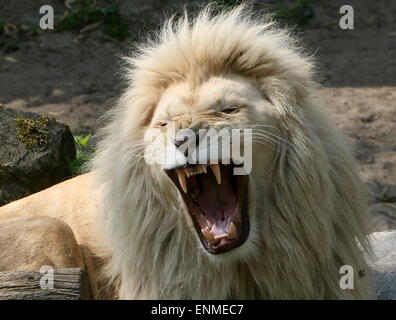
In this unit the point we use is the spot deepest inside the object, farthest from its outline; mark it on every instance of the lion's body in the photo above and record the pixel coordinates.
(307, 204)
(74, 202)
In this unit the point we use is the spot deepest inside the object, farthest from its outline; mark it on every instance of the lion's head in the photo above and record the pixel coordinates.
(295, 211)
(233, 111)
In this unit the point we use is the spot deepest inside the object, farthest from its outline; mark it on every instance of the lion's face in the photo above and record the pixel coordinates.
(216, 185)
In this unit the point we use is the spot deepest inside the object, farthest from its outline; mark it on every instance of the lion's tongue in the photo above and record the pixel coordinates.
(217, 201)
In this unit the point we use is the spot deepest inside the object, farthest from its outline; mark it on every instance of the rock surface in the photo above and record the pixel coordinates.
(34, 153)
(384, 245)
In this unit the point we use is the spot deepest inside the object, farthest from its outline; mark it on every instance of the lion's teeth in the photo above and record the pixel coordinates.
(181, 174)
(208, 235)
(232, 231)
(204, 169)
(220, 236)
(216, 171)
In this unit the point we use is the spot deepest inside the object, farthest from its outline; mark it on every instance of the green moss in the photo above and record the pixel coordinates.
(299, 12)
(88, 12)
(32, 133)
(5, 168)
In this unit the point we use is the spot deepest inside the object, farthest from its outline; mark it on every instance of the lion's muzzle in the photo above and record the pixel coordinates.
(216, 200)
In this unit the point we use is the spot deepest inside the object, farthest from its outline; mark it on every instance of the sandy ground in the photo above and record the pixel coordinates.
(76, 79)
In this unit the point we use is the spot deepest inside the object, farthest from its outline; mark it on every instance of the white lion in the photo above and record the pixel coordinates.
(197, 231)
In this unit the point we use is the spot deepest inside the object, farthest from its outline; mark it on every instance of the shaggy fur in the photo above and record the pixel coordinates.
(308, 211)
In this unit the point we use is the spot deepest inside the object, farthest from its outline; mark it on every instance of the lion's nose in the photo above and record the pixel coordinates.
(187, 141)
(179, 141)
(190, 133)
(185, 135)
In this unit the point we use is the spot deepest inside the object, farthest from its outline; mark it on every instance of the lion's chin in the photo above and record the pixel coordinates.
(216, 200)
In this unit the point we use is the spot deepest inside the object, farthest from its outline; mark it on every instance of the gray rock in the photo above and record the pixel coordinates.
(382, 192)
(34, 153)
(384, 266)
(383, 206)
(383, 216)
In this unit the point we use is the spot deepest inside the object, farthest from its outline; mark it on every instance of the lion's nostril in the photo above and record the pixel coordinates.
(179, 142)
(186, 135)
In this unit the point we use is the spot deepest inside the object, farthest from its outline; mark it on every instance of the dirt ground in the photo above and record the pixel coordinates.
(75, 77)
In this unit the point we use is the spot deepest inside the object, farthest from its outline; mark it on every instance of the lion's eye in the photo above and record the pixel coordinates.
(161, 123)
(232, 109)
(266, 97)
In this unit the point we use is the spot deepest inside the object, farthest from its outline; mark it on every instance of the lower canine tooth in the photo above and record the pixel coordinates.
(232, 231)
(208, 235)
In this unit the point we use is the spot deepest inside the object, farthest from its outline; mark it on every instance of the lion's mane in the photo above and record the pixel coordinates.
(312, 211)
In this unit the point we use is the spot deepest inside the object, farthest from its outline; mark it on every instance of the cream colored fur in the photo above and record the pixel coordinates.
(31, 234)
(307, 204)
(308, 209)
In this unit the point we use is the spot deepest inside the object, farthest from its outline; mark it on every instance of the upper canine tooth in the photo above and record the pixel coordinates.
(216, 171)
(181, 174)
(232, 231)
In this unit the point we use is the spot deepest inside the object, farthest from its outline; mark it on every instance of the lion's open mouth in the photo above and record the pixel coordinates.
(216, 200)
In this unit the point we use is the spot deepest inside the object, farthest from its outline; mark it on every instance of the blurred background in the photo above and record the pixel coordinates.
(72, 73)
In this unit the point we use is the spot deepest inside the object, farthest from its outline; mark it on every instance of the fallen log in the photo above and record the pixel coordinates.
(59, 284)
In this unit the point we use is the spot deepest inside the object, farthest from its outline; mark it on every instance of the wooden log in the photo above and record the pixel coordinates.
(67, 284)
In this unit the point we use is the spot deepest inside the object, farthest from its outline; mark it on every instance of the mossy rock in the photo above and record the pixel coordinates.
(35, 152)
(33, 133)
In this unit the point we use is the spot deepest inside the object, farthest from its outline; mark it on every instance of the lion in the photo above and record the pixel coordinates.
(178, 230)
